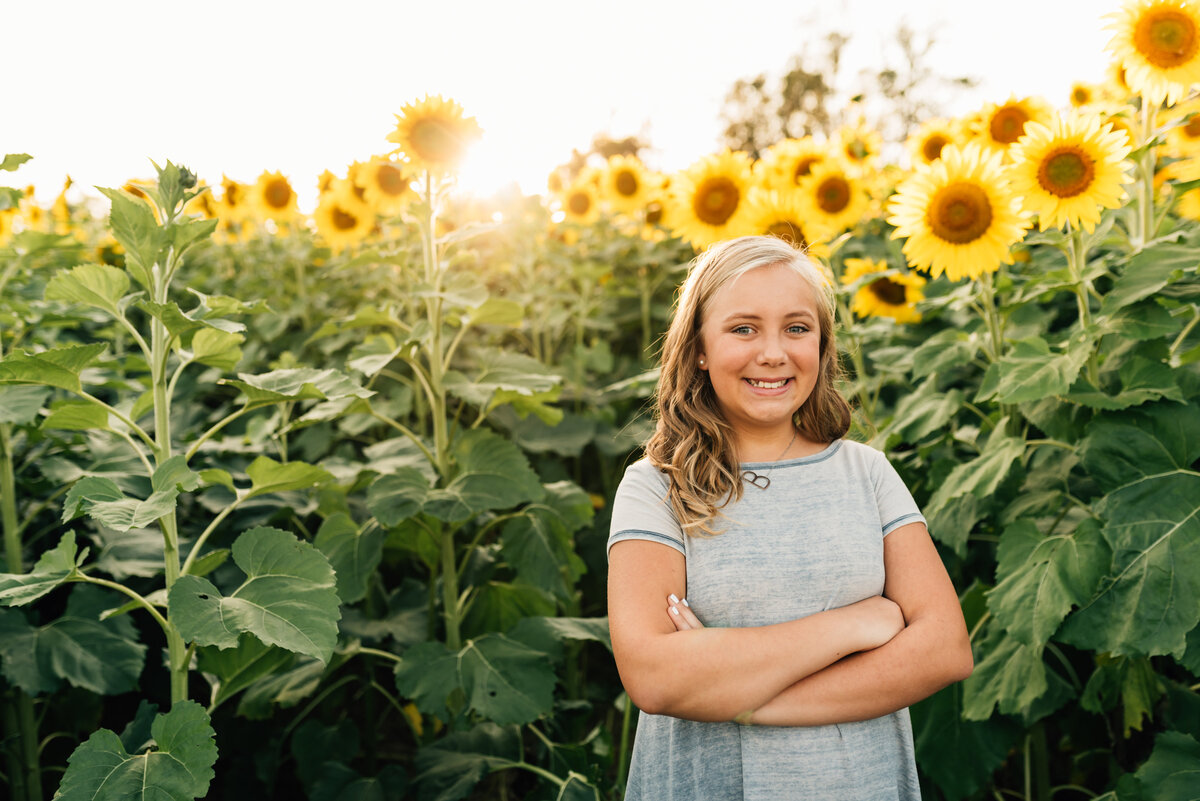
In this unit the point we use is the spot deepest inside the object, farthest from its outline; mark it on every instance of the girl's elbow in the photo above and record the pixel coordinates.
(962, 663)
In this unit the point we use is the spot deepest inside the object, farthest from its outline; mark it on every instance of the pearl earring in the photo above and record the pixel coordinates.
(701, 362)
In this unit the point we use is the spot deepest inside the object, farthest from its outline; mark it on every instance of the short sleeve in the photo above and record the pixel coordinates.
(641, 510)
(896, 505)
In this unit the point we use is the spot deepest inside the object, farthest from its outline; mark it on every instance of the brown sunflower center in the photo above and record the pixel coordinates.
(833, 194)
(233, 195)
(716, 200)
(579, 203)
(390, 180)
(1191, 129)
(856, 149)
(654, 212)
(931, 148)
(1007, 124)
(435, 141)
(804, 167)
(1166, 38)
(342, 219)
(888, 291)
(1066, 172)
(960, 213)
(626, 183)
(278, 193)
(789, 232)
(1081, 96)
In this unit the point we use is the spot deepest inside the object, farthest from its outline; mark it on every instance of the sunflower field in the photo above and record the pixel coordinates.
(315, 505)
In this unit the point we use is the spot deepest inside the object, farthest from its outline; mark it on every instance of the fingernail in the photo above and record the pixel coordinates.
(685, 603)
(673, 598)
(675, 611)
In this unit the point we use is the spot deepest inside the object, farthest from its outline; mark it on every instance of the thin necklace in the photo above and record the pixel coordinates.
(763, 481)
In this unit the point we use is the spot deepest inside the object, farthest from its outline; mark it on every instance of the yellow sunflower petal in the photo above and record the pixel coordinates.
(1067, 172)
(626, 183)
(1158, 44)
(386, 184)
(925, 144)
(958, 215)
(892, 294)
(786, 163)
(836, 199)
(708, 199)
(1000, 125)
(581, 202)
(433, 134)
(783, 214)
(272, 197)
(341, 218)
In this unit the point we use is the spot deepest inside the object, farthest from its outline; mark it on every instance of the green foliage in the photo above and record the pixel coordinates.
(288, 598)
(178, 765)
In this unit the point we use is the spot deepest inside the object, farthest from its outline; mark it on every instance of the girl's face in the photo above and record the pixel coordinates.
(761, 346)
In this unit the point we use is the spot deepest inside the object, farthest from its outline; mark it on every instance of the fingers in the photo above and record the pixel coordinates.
(681, 614)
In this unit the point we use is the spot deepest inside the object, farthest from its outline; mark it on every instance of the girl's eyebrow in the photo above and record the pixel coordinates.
(802, 313)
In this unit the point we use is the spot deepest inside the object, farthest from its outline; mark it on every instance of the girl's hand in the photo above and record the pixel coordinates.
(681, 614)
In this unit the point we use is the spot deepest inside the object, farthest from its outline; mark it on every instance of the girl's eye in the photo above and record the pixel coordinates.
(742, 329)
(798, 329)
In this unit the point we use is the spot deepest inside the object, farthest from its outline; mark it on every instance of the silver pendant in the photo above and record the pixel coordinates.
(762, 482)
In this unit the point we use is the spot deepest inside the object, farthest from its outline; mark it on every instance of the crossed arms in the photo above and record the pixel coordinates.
(857, 662)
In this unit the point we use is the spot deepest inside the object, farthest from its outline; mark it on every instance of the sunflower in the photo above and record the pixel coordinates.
(626, 184)
(783, 214)
(581, 202)
(202, 204)
(60, 210)
(1116, 86)
(1070, 170)
(895, 295)
(1082, 94)
(7, 216)
(325, 181)
(1158, 44)
(858, 144)
(925, 144)
(708, 199)
(434, 135)
(386, 185)
(1119, 116)
(1189, 202)
(1000, 125)
(234, 205)
(786, 163)
(836, 199)
(273, 198)
(342, 219)
(1183, 137)
(958, 214)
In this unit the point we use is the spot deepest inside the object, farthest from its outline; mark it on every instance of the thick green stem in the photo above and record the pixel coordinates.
(1077, 257)
(1146, 175)
(450, 608)
(160, 342)
(991, 315)
(8, 503)
(23, 768)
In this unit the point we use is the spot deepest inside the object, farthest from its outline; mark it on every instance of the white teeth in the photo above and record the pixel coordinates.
(767, 384)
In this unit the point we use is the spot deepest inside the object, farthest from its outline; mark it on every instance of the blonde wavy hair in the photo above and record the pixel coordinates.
(692, 442)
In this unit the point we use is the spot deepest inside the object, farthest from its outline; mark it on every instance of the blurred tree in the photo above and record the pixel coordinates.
(809, 99)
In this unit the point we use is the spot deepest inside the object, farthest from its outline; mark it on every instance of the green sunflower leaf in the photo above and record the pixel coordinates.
(288, 599)
(178, 766)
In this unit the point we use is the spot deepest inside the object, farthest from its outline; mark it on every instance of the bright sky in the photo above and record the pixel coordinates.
(241, 86)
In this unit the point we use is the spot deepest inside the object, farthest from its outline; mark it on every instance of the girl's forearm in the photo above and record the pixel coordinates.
(915, 664)
(721, 674)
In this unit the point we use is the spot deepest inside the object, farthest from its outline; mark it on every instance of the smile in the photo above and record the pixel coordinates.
(767, 384)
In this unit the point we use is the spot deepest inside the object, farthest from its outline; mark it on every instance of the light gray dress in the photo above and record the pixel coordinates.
(811, 541)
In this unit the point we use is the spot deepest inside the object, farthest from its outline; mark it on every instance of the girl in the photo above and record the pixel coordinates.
(826, 609)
